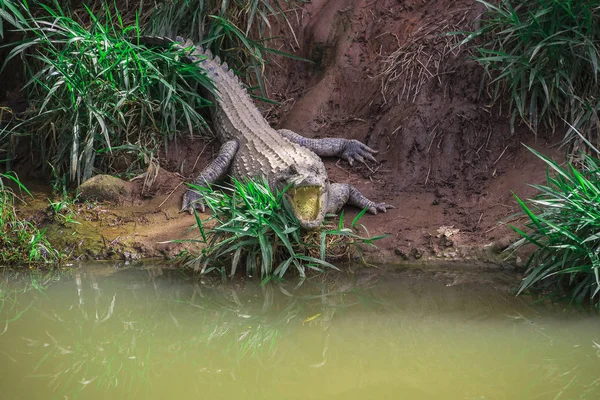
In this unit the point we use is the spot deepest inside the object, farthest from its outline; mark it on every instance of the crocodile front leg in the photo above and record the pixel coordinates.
(344, 193)
(348, 149)
(215, 171)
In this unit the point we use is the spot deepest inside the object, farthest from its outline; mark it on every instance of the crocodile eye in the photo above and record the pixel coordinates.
(290, 171)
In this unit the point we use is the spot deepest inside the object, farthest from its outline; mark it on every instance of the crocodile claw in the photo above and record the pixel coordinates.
(373, 208)
(192, 200)
(357, 151)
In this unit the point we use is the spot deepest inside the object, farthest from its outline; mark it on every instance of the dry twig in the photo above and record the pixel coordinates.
(419, 59)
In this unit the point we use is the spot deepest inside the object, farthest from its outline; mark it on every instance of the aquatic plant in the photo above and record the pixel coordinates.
(564, 227)
(20, 241)
(256, 228)
(543, 55)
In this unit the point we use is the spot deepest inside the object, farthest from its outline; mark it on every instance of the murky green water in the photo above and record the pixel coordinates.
(154, 334)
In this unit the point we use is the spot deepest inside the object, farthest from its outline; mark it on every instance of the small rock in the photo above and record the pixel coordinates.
(105, 188)
(498, 246)
(416, 253)
(401, 253)
(519, 262)
(445, 241)
(447, 231)
(129, 255)
(435, 202)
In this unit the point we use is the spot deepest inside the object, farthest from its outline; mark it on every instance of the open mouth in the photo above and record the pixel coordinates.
(305, 201)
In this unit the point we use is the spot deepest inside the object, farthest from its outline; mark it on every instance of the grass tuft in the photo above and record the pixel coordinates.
(20, 241)
(255, 230)
(564, 228)
(94, 92)
(543, 55)
(235, 30)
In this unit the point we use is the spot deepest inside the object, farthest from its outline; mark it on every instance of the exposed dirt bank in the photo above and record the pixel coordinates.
(385, 75)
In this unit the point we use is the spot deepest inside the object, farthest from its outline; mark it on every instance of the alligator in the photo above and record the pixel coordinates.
(251, 148)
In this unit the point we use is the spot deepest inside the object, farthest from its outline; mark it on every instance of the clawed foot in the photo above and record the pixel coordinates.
(357, 151)
(374, 208)
(192, 200)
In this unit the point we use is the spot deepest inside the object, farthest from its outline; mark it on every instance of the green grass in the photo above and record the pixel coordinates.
(564, 228)
(93, 92)
(96, 95)
(235, 30)
(9, 12)
(255, 230)
(20, 241)
(61, 210)
(543, 55)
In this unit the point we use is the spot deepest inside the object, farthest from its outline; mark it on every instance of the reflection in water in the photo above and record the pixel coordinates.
(155, 333)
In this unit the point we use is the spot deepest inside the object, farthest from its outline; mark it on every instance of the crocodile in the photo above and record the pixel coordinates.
(251, 148)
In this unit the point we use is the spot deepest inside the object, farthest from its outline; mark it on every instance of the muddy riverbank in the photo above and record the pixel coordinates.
(383, 73)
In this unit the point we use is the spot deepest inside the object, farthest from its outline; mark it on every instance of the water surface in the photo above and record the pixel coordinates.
(150, 333)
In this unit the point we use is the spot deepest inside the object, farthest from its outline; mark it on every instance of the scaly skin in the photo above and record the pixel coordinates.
(252, 149)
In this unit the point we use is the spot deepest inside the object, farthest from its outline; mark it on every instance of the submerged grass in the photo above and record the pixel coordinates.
(120, 336)
(255, 229)
(543, 55)
(564, 227)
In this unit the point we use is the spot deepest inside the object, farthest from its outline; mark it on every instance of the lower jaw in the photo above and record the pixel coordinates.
(309, 225)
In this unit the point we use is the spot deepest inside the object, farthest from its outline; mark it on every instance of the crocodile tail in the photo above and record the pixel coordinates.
(148, 40)
(163, 41)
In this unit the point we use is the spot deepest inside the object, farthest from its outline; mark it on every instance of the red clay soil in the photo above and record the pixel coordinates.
(384, 74)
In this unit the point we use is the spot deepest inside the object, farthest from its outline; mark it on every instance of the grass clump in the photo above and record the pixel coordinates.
(564, 227)
(235, 30)
(254, 228)
(544, 55)
(20, 241)
(9, 12)
(94, 91)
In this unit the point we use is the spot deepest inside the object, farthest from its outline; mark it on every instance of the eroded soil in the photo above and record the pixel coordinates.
(383, 73)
